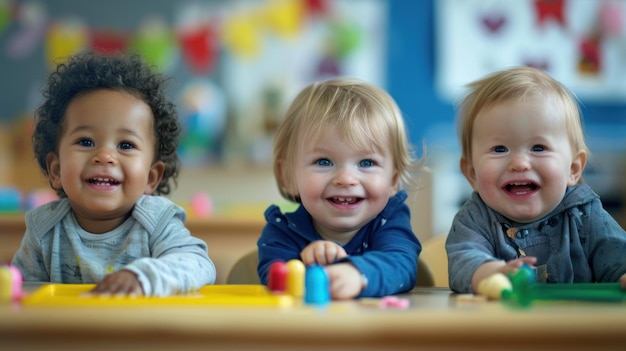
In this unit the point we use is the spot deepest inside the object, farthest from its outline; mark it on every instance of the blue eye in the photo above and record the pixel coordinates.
(126, 146)
(323, 162)
(538, 148)
(500, 148)
(366, 163)
(85, 142)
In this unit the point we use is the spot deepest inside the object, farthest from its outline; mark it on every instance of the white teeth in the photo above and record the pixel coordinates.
(345, 200)
(103, 181)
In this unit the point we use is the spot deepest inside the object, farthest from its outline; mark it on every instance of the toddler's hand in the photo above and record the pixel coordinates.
(622, 281)
(322, 252)
(345, 281)
(122, 282)
(514, 265)
(488, 269)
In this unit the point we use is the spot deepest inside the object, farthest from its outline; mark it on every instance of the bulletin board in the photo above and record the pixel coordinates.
(582, 43)
(234, 64)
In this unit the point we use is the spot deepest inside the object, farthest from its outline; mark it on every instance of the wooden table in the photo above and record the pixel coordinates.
(436, 320)
(227, 238)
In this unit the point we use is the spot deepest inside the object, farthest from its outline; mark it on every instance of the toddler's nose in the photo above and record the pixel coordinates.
(345, 177)
(519, 162)
(104, 155)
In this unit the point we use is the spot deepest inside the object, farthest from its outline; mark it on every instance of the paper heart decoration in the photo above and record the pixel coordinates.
(109, 41)
(199, 48)
(494, 23)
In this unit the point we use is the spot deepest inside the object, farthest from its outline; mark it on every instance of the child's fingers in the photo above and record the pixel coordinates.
(322, 252)
(513, 265)
(313, 254)
(345, 281)
(518, 262)
(341, 253)
(119, 283)
(331, 252)
(531, 260)
(117, 289)
(307, 257)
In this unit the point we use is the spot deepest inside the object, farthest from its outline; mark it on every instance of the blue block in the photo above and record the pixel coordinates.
(317, 286)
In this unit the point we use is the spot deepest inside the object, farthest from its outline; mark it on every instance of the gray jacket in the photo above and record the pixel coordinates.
(577, 242)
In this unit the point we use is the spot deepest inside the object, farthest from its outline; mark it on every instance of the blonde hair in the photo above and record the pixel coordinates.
(517, 83)
(365, 117)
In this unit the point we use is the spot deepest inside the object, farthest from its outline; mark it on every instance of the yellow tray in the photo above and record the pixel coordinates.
(69, 295)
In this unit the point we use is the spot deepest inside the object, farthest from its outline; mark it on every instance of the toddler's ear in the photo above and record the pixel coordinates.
(154, 177)
(576, 169)
(395, 183)
(53, 167)
(468, 171)
(282, 181)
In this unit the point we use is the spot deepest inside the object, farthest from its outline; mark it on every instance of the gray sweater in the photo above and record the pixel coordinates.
(153, 243)
(577, 242)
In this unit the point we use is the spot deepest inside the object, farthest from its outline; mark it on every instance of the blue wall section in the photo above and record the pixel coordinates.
(411, 81)
(411, 67)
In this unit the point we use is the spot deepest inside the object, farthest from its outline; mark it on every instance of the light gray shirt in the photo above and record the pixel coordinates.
(153, 243)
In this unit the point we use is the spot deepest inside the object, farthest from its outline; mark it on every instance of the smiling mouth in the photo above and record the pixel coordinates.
(103, 181)
(521, 188)
(345, 200)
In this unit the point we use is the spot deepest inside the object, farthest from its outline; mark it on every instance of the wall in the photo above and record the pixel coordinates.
(411, 77)
(410, 68)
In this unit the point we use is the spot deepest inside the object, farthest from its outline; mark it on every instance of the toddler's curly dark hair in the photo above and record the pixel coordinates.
(89, 71)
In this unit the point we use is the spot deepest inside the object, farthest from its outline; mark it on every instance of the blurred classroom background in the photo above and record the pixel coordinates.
(237, 64)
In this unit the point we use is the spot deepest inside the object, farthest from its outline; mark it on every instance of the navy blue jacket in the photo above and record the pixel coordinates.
(385, 250)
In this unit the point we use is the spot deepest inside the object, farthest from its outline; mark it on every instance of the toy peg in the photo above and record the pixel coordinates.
(495, 286)
(277, 278)
(317, 286)
(295, 278)
(526, 290)
(10, 284)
